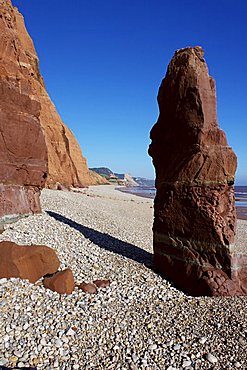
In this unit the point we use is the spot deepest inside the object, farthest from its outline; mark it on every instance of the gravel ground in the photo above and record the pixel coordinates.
(139, 322)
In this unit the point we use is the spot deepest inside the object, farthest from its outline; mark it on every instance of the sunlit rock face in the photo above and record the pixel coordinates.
(19, 62)
(23, 151)
(195, 216)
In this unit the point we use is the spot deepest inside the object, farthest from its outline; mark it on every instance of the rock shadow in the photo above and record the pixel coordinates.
(108, 242)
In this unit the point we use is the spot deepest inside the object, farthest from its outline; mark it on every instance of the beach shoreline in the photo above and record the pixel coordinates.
(141, 322)
(241, 207)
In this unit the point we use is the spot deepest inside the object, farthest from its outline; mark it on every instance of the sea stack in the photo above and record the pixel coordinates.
(194, 209)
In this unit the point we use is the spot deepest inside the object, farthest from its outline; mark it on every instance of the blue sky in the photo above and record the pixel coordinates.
(103, 61)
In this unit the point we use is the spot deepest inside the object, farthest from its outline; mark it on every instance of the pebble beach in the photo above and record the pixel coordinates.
(140, 322)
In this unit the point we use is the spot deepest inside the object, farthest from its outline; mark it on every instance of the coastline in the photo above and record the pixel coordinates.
(241, 207)
(141, 322)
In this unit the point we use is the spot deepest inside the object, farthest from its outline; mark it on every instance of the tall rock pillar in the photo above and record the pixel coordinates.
(194, 210)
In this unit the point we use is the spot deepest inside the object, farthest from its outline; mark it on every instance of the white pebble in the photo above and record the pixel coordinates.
(43, 342)
(58, 342)
(134, 357)
(152, 347)
(70, 332)
(211, 358)
(186, 363)
(202, 340)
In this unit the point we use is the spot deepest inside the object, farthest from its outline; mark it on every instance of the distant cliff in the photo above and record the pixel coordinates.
(66, 165)
(122, 178)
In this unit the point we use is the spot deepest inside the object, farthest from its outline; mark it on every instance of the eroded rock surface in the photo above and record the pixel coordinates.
(27, 261)
(23, 151)
(19, 66)
(195, 216)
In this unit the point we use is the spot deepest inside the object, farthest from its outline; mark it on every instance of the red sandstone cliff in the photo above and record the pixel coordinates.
(66, 165)
(23, 151)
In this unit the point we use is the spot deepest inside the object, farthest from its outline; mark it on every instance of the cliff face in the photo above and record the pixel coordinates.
(23, 152)
(66, 164)
(96, 179)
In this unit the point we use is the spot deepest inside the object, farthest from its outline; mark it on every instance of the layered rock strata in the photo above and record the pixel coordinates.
(194, 224)
(20, 65)
(23, 159)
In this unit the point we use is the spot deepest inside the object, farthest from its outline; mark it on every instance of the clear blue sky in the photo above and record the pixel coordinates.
(103, 61)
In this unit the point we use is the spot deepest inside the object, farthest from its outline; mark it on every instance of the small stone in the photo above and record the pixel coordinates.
(43, 342)
(3, 361)
(133, 366)
(237, 364)
(211, 358)
(18, 353)
(58, 343)
(3, 303)
(152, 347)
(177, 347)
(202, 340)
(76, 366)
(88, 288)
(65, 339)
(70, 332)
(26, 326)
(13, 359)
(6, 338)
(134, 357)
(102, 283)
(144, 362)
(186, 363)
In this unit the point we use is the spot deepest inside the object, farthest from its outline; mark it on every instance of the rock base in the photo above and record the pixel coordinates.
(193, 273)
(18, 200)
(194, 246)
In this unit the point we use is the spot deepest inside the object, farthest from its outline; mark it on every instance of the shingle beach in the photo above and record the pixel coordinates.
(140, 322)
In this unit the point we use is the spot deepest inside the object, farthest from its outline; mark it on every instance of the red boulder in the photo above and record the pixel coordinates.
(27, 261)
(61, 282)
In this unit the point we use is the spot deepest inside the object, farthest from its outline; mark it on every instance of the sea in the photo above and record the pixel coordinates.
(240, 196)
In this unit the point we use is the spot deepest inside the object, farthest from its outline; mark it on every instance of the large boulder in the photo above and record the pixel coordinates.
(27, 261)
(195, 217)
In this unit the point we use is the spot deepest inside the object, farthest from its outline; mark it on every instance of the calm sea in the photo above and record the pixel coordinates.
(149, 192)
